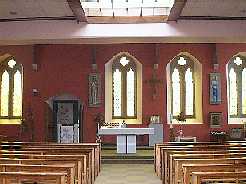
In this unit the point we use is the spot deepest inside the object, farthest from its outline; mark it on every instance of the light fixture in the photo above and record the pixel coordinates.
(35, 92)
(156, 66)
(216, 66)
(35, 67)
(94, 66)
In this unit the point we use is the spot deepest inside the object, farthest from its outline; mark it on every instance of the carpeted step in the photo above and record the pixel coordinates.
(138, 147)
(127, 161)
(127, 156)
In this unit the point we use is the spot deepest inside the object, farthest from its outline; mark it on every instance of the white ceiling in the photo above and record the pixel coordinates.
(12, 9)
(215, 8)
(28, 9)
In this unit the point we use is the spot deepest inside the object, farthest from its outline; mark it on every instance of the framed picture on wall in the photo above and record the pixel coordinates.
(155, 119)
(215, 119)
(215, 88)
(236, 134)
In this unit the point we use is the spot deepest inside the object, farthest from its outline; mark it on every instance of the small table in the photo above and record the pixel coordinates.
(126, 137)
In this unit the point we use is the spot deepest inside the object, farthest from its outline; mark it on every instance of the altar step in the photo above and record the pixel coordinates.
(127, 159)
(144, 155)
(113, 147)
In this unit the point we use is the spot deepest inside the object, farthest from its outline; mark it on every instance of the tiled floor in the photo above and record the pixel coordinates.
(127, 174)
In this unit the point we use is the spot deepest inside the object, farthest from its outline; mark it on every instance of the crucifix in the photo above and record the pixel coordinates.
(154, 82)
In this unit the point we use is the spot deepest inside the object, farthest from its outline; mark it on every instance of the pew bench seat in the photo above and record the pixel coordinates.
(48, 177)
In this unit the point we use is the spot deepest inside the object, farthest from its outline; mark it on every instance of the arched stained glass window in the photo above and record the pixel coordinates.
(5, 94)
(117, 92)
(244, 91)
(124, 88)
(176, 92)
(182, 91)
(130, 87)
(11, 89)
(189, 92)
(237, 87)
(233, 92)
(17, 94)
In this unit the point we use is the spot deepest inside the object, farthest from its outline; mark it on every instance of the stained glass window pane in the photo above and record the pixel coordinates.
(130, 93)
(233, 92)
(189, 90)
(124, 61)
(176, 92)
(17, 95)
(181, 61)
(117, 93)
(238, 61)
(244, 91)
(5, 94)
(11, 63)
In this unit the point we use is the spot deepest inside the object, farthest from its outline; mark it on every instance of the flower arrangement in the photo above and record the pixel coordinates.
(181, 117)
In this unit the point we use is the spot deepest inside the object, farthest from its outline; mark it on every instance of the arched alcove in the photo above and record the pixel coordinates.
(64, 119)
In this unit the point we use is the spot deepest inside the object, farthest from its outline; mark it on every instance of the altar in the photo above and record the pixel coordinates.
(126, 137)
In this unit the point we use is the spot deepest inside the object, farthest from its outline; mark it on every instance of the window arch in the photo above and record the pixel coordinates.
(11, 89)
(236, 76)
(184, 88)
(123, 89)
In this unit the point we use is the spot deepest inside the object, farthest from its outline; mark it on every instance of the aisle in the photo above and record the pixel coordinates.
(127, 174)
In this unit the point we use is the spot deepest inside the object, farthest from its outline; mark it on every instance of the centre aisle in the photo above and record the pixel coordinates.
(127, 174)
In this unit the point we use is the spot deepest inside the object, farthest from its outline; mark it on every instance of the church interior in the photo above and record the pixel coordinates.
(123, 91)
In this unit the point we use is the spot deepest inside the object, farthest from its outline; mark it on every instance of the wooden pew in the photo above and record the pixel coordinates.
(157, 150)
(179, 162)
(22, 145)
(189, 168)
(69, 169)
(187, 145)
(35, 150)
(95, 149)
(80, 176)
(176, 172)
(58, 177)
(93, 161)
(168, 159)
(164, 165)
(198, 177)
(88, 152)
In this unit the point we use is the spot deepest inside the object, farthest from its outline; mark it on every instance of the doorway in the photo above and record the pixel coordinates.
(65, 115)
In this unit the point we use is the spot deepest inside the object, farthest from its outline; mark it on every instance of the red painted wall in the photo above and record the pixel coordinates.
(65, 69)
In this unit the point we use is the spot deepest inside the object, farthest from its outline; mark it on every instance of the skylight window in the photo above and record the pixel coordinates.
(127, 7)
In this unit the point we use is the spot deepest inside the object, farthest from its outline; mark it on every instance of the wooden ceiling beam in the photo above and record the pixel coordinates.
(77, 10)
(176, 10)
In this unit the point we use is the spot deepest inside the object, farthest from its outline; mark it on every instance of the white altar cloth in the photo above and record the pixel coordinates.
(126, 137)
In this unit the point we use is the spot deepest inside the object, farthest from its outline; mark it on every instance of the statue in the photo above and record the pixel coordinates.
(94, 90)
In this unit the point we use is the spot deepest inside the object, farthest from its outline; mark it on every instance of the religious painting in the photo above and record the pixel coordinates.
(215, 88)
(236, 134)
(65, 113)
(94, 90)
(215, 119)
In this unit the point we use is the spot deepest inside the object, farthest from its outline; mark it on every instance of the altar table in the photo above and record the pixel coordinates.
(126, 137)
